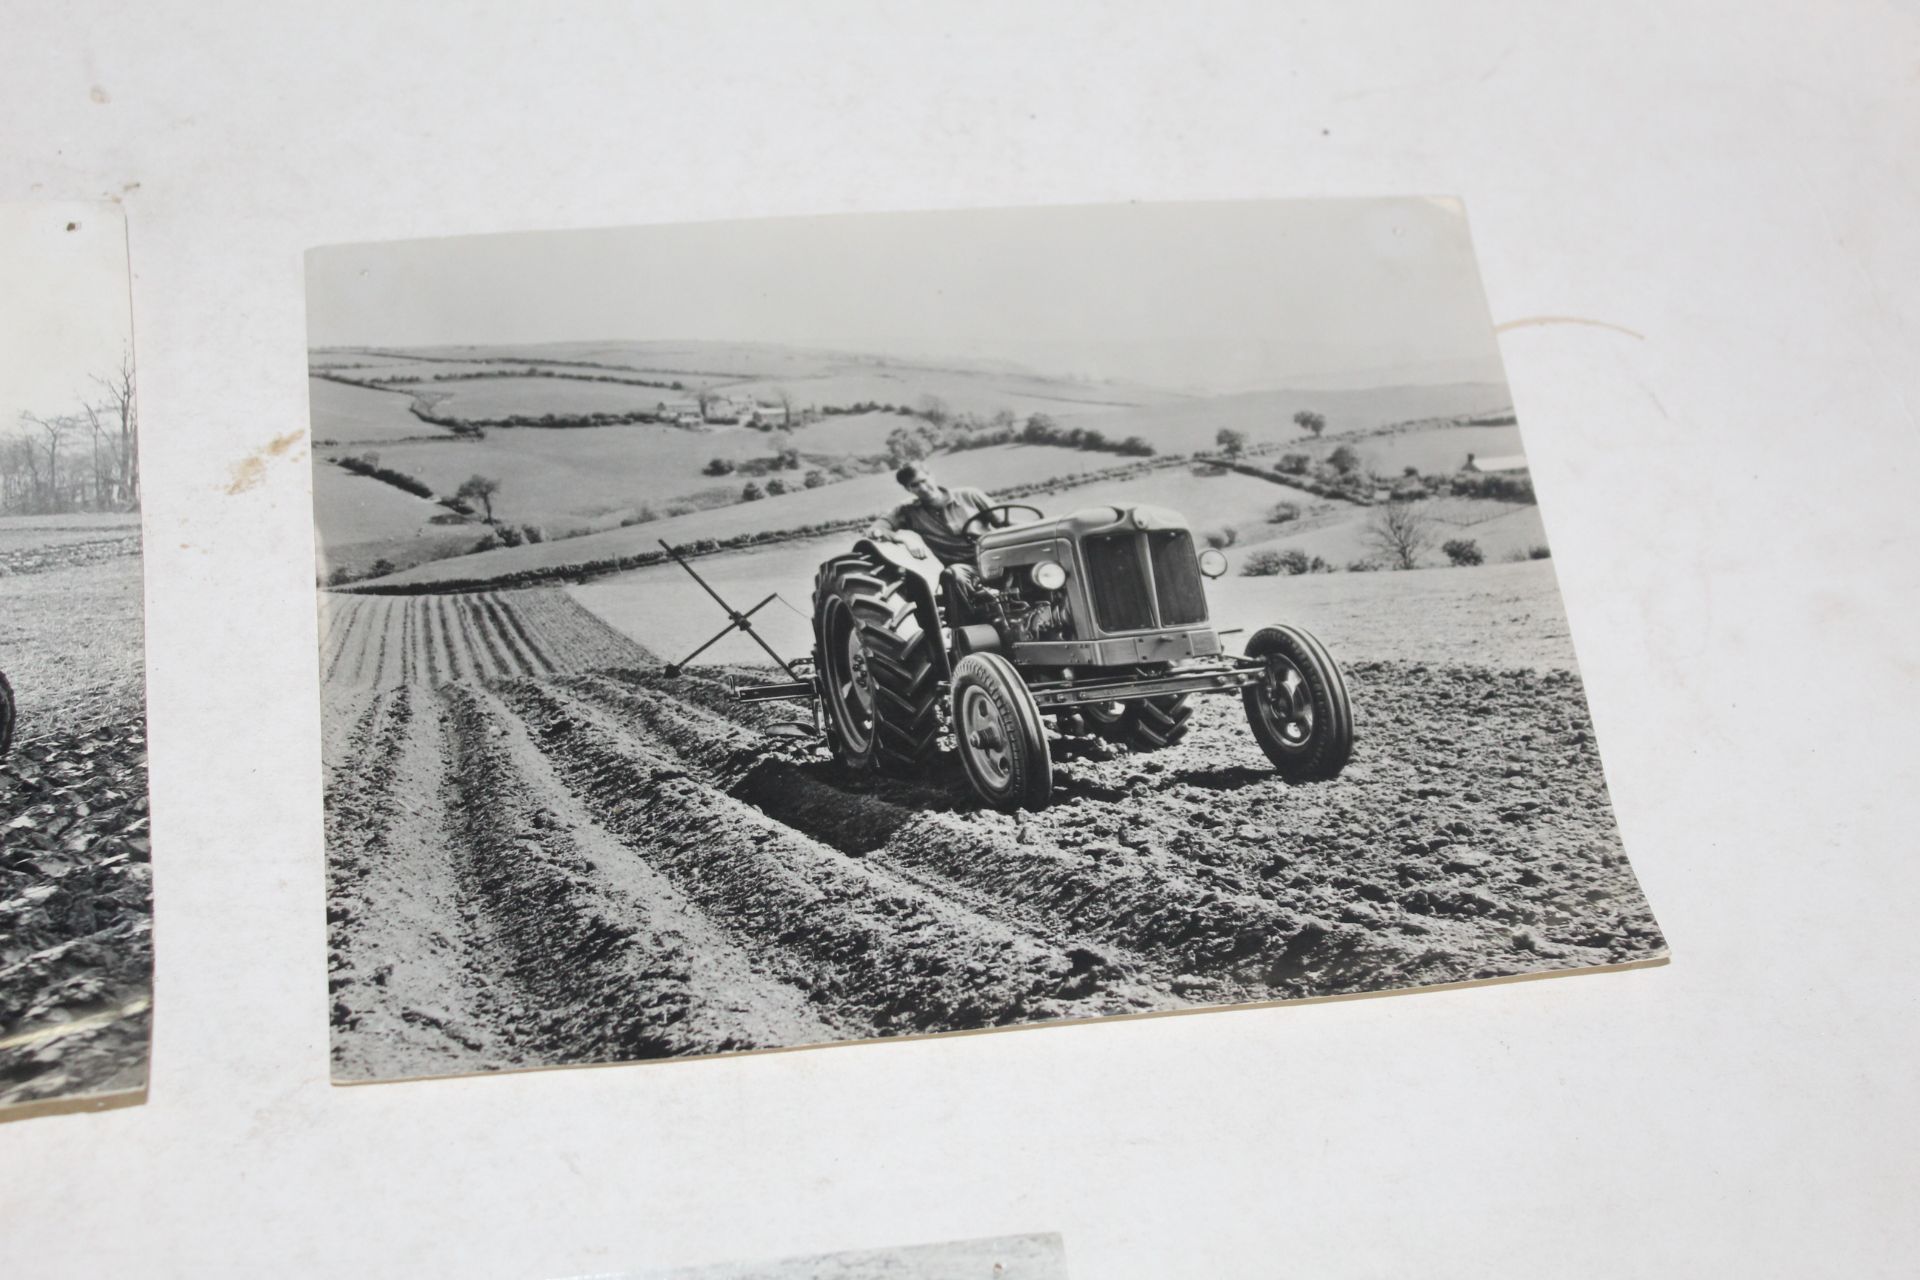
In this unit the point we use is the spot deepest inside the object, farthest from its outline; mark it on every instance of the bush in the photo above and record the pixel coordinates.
(1283, 512)
(1463, 551)
(1541, 552)
(1345, 460)
(1263, 564)
(776, 487)
(1293, 464)
(510, 536)
(751, 493)
(380, 568)
(643, 515)
(1223, 537)
(718, 467)
(533, 533)
(814, 480)
(1362, 566)
(1267, 564)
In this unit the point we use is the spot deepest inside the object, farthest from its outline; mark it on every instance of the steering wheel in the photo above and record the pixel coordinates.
(967, 529)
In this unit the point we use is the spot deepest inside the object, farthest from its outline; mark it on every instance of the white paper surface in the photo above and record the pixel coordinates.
(1726, 496)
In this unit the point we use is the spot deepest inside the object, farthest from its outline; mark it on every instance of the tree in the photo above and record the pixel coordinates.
(1463, 551)
(718, 467)
(480, 489)
(776, 487)
(787, 459)
(1293, 464)
(1309, 421)
(814, 480)
(1400, 531)
(904, 446)
(751, 493)
(1232, 443)
(118, 420)
(1345, 460)
(934, 410)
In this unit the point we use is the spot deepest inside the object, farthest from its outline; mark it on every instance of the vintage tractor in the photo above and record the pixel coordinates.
(1096, 620)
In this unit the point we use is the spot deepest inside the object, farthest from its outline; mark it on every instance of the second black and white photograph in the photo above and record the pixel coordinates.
(753, 635)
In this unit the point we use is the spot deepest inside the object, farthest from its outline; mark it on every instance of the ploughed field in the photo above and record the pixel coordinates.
(544, 850)
(76, 951)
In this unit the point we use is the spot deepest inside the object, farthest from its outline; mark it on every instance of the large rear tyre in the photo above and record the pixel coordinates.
(1146, 724)
(6, 714)
(877, 664)
(1298, 709)
(1000, 735)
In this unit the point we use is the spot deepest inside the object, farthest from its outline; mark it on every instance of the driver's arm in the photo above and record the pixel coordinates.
(882, 527)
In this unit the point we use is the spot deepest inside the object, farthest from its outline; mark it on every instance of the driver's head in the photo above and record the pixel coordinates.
(918, 480)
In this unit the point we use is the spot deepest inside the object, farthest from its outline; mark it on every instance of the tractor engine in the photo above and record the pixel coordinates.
(1033, 613)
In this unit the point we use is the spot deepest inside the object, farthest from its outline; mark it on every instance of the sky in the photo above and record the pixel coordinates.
(1219, 297)
(65, 310)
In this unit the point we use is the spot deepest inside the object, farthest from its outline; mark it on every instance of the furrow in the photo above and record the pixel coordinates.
(608, 961)
(406, 999)
(1140, 901)
(527, 638)
(865, 942)
(520, 662)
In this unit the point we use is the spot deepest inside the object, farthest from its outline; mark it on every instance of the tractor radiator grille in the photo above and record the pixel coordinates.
(1118, 577)
(1176, 578)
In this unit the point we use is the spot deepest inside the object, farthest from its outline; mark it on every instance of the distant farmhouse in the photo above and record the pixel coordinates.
(1504, 462)
(744, 409)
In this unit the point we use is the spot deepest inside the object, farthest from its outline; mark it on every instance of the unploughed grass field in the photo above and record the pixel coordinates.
(357, 415)
(1499, 615)
(1267, 416)
(579, 477)
(491, 398)
(359, 520)
(862, 496)
(960, 392)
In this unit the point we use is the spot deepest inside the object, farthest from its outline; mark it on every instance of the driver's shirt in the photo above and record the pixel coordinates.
(939, 527)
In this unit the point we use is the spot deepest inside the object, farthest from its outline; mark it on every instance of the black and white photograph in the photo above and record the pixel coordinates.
(76, 951)
(1030, 1257)
(751, 635)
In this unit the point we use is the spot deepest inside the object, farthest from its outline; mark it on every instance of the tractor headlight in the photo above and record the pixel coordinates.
(1049, 576)
(1212, 563)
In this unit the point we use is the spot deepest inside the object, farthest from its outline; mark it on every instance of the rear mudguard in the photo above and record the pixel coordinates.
(922, 573)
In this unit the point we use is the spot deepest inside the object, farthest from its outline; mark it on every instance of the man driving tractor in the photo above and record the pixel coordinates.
(939, 515)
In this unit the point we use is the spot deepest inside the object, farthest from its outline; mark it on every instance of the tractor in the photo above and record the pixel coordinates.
(1096, 621)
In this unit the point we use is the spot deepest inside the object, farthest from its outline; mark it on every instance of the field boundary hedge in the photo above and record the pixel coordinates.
(581, 571)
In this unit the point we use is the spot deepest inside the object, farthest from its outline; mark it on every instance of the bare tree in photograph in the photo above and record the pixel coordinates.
(116, 421)
(1400, 531)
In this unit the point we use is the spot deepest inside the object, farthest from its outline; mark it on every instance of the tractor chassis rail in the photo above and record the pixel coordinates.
(1060, 693)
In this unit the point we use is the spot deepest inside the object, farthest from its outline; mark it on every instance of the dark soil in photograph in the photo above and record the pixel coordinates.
(544, 850)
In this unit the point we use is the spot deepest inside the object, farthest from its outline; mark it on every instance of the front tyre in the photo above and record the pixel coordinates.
(1001, 738)
(6, 714)
(1298, 709)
